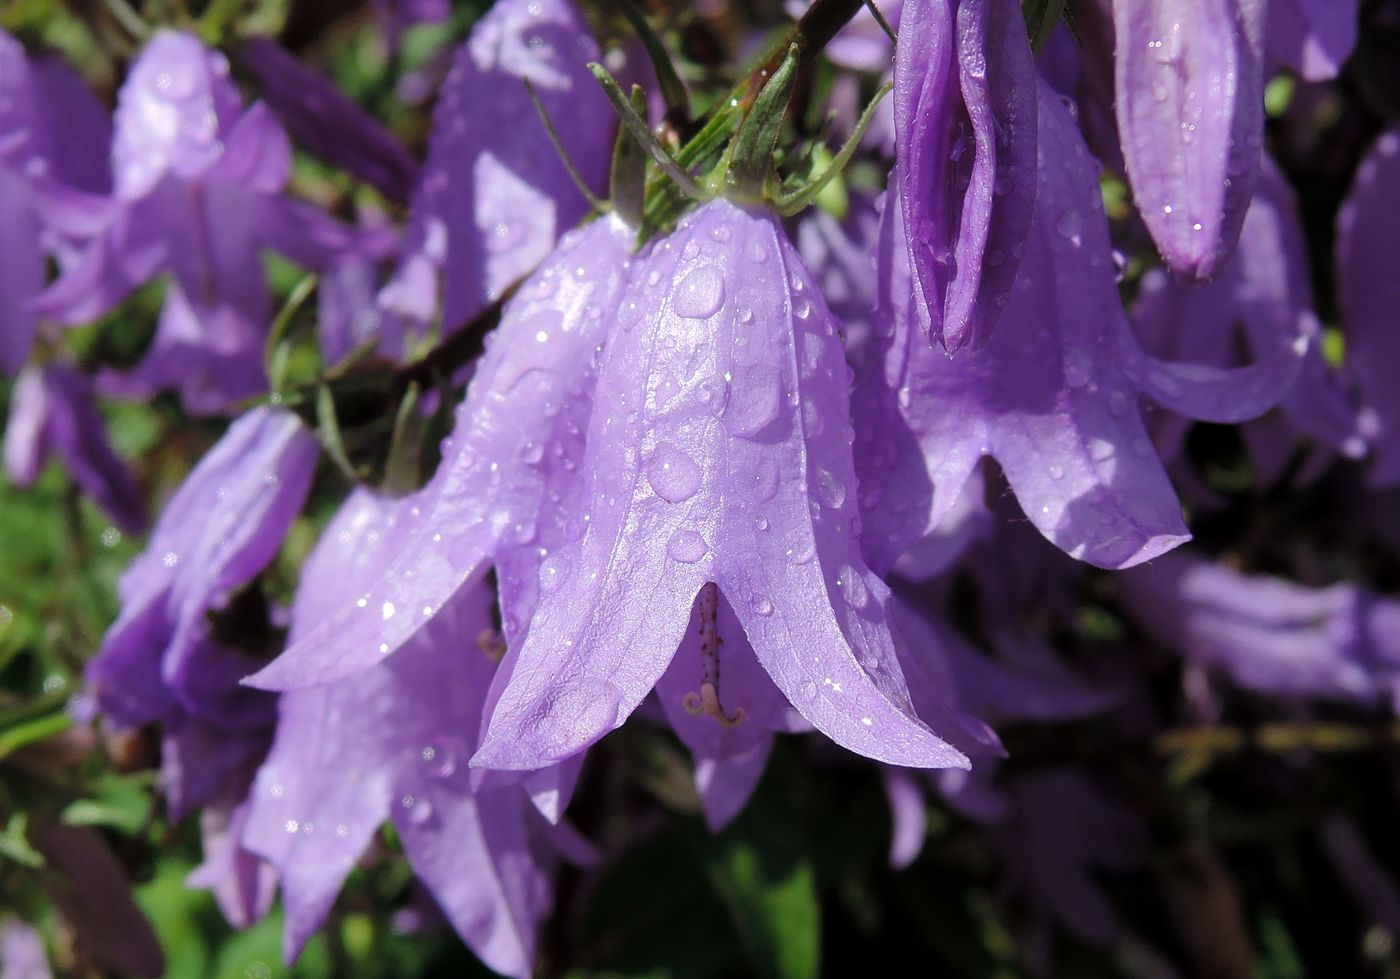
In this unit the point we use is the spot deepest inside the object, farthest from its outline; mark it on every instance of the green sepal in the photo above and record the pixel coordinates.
(751, 153)
(627, 184)
(642, 133)
(1041, 18)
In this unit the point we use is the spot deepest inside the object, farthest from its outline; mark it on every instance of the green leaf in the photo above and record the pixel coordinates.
(14, 842)
(121, 804)
(794, 201)
(642, 133)
(628, 181)
(761, 870)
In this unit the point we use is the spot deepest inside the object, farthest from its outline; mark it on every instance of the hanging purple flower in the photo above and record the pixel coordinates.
(1269, 634)
(1053, 397)
(718, 451)
(392, 743)
(1189, 77)
(965, 159)
(55, 136)
(397, 16)
(513, 461)
(1313, 37)
(198, 188)
(162, 660)
(52, 413)
(493, 195)
(1369, 293)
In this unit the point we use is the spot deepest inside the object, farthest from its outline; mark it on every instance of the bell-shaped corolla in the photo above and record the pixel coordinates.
(965, 159)
(509, 470)
(197, 192)
(1189, 81)
(391, 743)
(1053, 396)
(493, 196)
(719, 451)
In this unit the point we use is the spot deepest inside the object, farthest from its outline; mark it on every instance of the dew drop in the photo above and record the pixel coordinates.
(672, 474)
(1078, 368)
(830, 490)
(687, 546)
(852, 587)
(553, 570)
(700, 294)
(809, 690)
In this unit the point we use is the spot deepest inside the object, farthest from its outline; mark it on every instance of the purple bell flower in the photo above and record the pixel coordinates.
(198, 188)
(965, 159)
(499, 494)
(719, 451)
(392, 742)
(52, 413)
(1263, 293)
(53, 135)
(1189, 79)
(493, 195)
(22, 954)
(1053, 397)
(1269, 634)
(161, 661)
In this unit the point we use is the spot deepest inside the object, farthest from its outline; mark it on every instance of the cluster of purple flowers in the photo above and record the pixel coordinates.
(735, 479)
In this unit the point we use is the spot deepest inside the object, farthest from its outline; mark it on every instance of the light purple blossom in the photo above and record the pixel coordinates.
(499, 494)
(719, 451)
(493, 195)
(392, 743)
(1053, 397)
(52, 413)
(53, 134)
(965, 159)
(1270, 634)
(198, 185)
(1189, 79)
(161, 660)
(1263, 294)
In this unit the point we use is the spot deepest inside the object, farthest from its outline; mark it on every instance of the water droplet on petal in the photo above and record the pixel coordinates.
(700, 294)
(673, 475)
(687, 546)
(553, 570)
(830, 490)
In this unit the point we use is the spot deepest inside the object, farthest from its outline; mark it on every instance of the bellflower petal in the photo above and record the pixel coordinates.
(52, 411)
(221, 527)
(1052, 397)
(1189, 76)
(22, 271)
(964, 111)
(493, 195)
(717, 452)
(242, 883)
(392, 742)
(513, 455)
(173, 110)
(326, 121)
(1369, 293)
(1263, 290)
(1313, 37)
(841, 255)
(1267, 633)
(730, 740)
